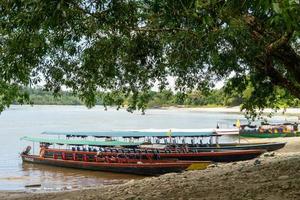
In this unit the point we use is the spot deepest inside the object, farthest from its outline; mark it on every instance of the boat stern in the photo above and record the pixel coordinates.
(198, 166)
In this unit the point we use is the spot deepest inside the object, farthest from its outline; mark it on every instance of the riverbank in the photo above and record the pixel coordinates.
(235, 109)
(294, 112)
(268, 177)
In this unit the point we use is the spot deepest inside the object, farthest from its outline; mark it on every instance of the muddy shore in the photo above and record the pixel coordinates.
(272, 176)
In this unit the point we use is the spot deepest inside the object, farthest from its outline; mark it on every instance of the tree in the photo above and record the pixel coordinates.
(126, 46)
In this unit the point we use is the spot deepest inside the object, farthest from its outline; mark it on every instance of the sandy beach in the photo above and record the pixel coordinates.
(235, 109)
(272, 176)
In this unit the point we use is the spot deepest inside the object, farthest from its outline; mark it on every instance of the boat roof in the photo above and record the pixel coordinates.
(80, 142)
(139, 133)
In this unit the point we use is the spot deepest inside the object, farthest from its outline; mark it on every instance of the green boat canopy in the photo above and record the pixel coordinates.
(80, 142)
(135, 134)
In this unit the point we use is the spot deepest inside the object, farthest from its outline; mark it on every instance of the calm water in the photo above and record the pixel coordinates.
(21, 121)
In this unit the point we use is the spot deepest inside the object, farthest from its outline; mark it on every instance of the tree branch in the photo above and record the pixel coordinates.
(283, 40)
(290, 59)
(282, 52)
(266, 67)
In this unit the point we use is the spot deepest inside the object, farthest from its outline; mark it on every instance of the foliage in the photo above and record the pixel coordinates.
(164, 98)
(40, 97)
(125, 47)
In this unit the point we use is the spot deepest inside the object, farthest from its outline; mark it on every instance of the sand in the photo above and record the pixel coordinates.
(272, 176)
(235, 109)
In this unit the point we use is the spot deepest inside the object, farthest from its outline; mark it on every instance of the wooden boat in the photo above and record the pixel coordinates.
(132, 167)
(88, 159)
(155, 136)
(270, 130)
(215, 156)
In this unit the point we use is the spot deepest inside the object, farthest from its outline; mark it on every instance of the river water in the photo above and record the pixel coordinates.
(19, 121)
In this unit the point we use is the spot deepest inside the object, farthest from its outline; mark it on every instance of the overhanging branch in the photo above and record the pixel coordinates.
(276, 77)
(283, 40)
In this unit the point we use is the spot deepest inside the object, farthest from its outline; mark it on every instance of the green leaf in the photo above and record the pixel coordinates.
(276, 7)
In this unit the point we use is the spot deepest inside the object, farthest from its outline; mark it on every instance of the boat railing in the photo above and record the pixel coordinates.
(100, 156)
(128, 154)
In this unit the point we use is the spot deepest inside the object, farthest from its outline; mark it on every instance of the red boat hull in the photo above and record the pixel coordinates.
(132, 168)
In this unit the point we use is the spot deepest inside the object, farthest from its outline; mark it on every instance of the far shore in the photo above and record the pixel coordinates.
(235, 109)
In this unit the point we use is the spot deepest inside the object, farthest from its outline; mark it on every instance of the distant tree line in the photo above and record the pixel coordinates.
(164, 98)
(42, 97)
(155, 99)
(193, 99)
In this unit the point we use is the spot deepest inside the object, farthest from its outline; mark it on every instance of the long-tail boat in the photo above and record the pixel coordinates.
(267, 130)
(169, 138)
(91, 161)
(180, 154)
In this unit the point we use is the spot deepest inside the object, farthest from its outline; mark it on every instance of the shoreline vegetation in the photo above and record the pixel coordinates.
(162, 99)
(272, 176)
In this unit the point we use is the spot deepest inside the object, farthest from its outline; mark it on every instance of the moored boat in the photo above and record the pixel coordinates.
(215, 154)
(193, 138)
(267, 130)
(153, 154)
(89, 158)
(132, 167)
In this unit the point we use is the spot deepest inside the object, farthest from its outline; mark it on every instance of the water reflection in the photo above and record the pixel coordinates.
(58, 178)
